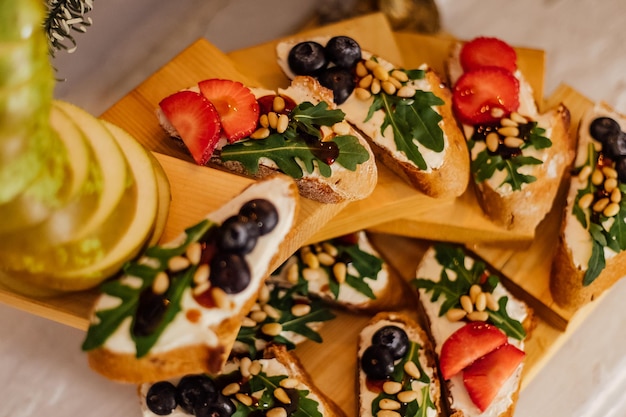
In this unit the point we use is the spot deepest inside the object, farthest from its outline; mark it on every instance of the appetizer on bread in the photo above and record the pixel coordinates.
(178, 308)
(518, 156)
(397, 369)
(590, 254)
(346, 272)
(478, 329)
(406, 115)
(275, 385)
(257, 132)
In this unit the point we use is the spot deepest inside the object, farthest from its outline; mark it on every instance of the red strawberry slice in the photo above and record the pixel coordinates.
(464, 346)
(236, 105)
(484, 378)
(485, 95)
(484, 52)
(196, 121)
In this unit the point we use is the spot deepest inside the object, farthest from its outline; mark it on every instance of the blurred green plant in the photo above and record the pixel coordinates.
(64, 19)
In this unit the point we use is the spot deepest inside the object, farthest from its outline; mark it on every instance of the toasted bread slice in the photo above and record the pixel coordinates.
(178, 309)
(585, 266)
(349, 174)
(424, 146)
(516, 185)
(245, 385)
(414, 382)
(346, 272)
(447, 278)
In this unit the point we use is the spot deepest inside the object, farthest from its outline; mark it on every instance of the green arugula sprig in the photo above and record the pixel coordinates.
(282, 300)
(604, 231)
(452, 259)
(109, 320)
(487, 163)
(292, 152)
(412, 120)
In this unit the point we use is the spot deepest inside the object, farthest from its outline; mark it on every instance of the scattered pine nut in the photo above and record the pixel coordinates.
(244, 399)
(600, 205)
(466, 303)
(300, 310)
(194, 253)
(260, 133)
(272, 117)
(339, 271)
(509, 131)
(411, 369)
(481, 302)
(161, 283)
(276, 412)
(492, 304)
(584, 173)
(392, 387)
(456, 314)
(282, 396)
(597, 177)
(231, 389)
(272, 329)
(389, 404)
(585, 201)
(513, 142)
(289, 383)
(293, 273)
(202, 274)
(611, 210)
(407, 396)
(177, 263)
(492, 141)
(282, 124)
(362, 94)
(278, 105)
(406, 91)
(478, 316)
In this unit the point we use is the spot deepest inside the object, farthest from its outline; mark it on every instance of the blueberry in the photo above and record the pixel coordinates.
(150, 312)
(230, 272)
(262, 212)
(161, 398)
(394, 338)
(307, 58)
(340, 80)
(603, 128)
(194, 391)
(237, 234)
(614, 146)
(220, 406)
(343, 51)
(377, 362)
(620, 166)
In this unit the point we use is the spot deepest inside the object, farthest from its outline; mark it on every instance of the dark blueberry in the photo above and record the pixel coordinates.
(394, 338)
(340, 80)
(603, 128)
(262, 212)
(161, 398)
(620, 166)
(195, 391)
(230, 272)
(615, 146)
(150, 312)
(377, 362)
(307, 58)
(237, 234)
(220, 406)
(343, 51)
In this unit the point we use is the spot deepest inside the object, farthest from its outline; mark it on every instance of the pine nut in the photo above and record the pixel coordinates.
(248, 322)
(220, 297)
(609, 172)
(513, 142)
(361, 70)
(311, 260)
(375, 88)
(272, 117)
(194, 253)
(400, 75)
(584, 173)
(389, 404)
(610, 184)
(478, 316)
(282, 396)
(161, 283)
(271, 311)
(611, 210)
(370, 64)
(255, 367)
(505, 121)
(516, 117)
(380, 73)
(264, 294)
(300, 310)
(341, 128)
(330, 249)
(406, 91)
(585, 201)
(455, 314)
(325, 259)
(202, 274)
(259, 316)
(282, 124)
(411, 369)
(272, 329)
(407, 396)
(616, 195)
(388, 87)
(293, 273)
(466, 303)
(395, 83)
(387, 413)
(392, 387)
(244, 399)
(289, 383)
(264, 121)
(366, 81)
(244, 366)
(601, 204)
(278, 105)
(474, 291)
(509, 131)
(339, 271)
(231, 389)
(481, 302)
(492, 141)
(199, 289)
(260, 133)
(276, 412)
(177, 263)
(362, 94)
(597, 177)
(311, 274)
(492, 304)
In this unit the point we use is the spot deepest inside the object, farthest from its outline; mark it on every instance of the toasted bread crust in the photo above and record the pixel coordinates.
(523, 210)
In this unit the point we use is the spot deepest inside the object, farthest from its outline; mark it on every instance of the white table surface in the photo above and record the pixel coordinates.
(42, 369)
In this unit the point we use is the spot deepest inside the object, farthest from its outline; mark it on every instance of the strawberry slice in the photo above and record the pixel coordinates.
(485, 95)
(484, 378)
(464, 346)
(196, 121)
(484, 52)
(236, 105)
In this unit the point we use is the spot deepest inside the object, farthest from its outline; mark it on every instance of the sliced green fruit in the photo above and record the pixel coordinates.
(165, 198)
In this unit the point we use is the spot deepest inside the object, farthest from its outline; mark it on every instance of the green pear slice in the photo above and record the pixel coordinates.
(165, 198)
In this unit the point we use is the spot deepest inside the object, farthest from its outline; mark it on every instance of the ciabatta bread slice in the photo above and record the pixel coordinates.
(470, 311)
(590, 254)
(251, 387)
(334, 167)
(346, 272)
(396, 368)
(518, 160)
(178, 308)
(407, 118)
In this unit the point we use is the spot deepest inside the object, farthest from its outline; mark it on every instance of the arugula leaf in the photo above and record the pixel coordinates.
(596, 263)
(504, 322)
